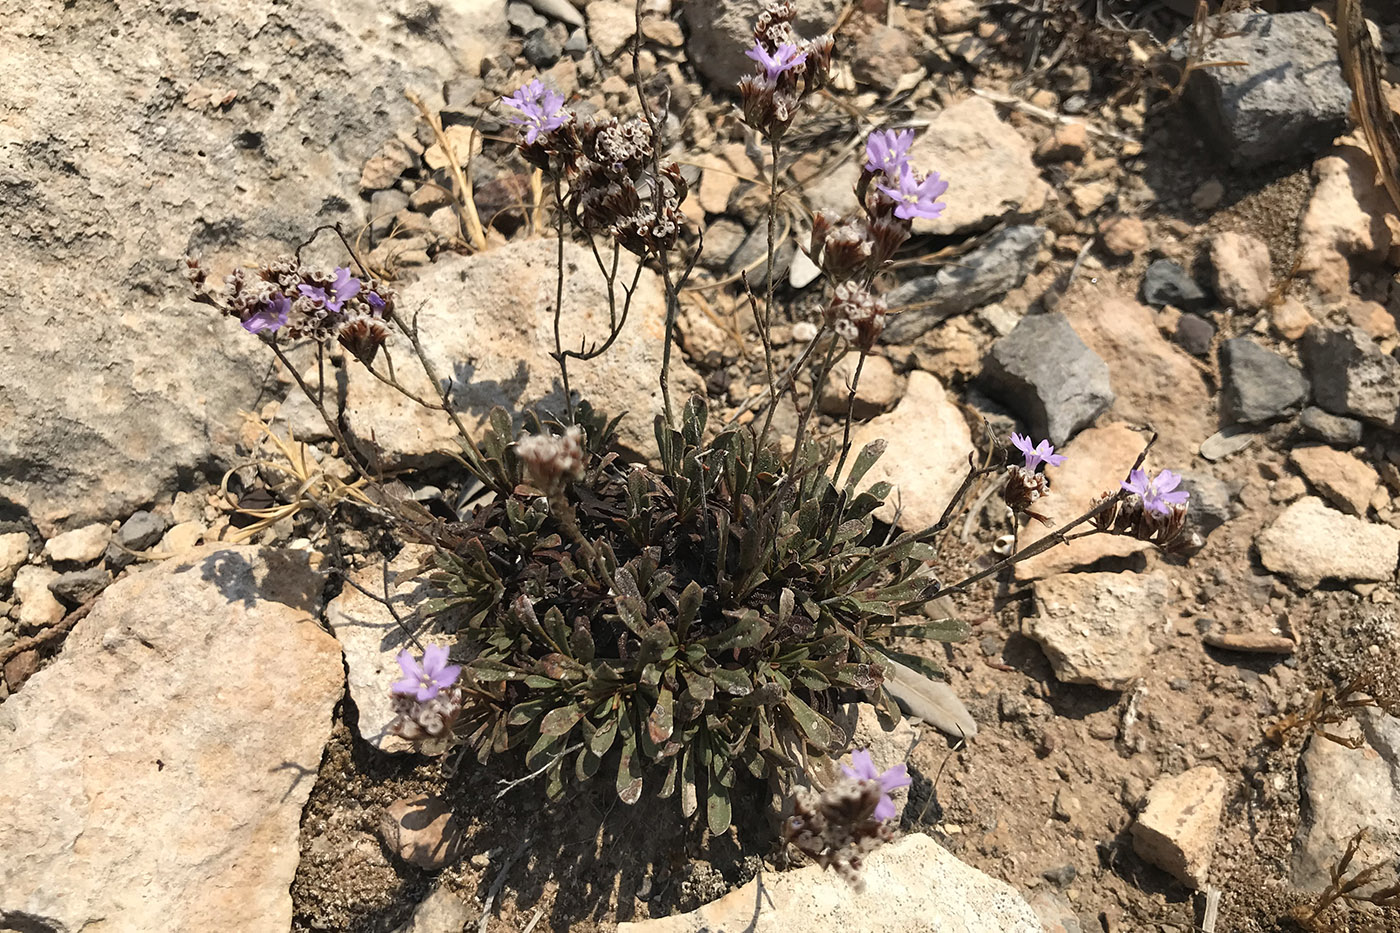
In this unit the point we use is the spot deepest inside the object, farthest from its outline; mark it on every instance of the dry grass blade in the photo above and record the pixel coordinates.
(1361, 65)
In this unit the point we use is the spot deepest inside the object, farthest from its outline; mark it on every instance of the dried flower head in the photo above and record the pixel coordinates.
(863, 769)
(1155, 510)
(790, 69)
(551, 460)
(838, 827)
(856, 314)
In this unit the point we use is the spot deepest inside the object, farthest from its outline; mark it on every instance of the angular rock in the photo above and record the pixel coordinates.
(182, 727)
(495, 347)
(423, 831)
(1290, 319)
(1166, 283)
(721, 31)
(883, 58)
(1289, 96)
(1195, 334)
(1310, 543)
(37, 605)
(78, 586)
(1242, 270)
(1346, 789)
(878, 390)
(542, 48)
(611, 25)
(1044, 372)
(1329, 428)
(1123, 236)
(176, 126)
(371, 640)
(14, 551)
(991, 174)
(927, 454)
(562, 10)
(912, 883)
(1345, 220)
(1342, 479)
(1352, 376)
(1097, 459)
(440, 912)
(982, 276)
(79, 546)
(141, 530)
(1260, 386)
(1209, 505)
(1096, 627)
(1177, 830)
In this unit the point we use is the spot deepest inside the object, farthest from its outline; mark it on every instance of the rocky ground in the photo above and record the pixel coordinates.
(1211, 259)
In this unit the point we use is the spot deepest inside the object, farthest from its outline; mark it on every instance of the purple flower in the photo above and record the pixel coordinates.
(270, 317)
(541, 109)
(786, 58)
(343, 287)
(1038, 454)
(915, 196)
(1158, 494)
(424, 681)
(887, 151)
(891, 779)
(376, 303)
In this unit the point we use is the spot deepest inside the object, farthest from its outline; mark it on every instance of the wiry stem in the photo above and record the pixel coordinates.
(850, 416)
(559, 356)
(765, 323)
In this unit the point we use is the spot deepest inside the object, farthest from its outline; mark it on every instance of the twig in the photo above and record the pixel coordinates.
(539, 912)
(48, 634)
(1015, 103)
(511, 785)
(499, 883)
(1212, 911)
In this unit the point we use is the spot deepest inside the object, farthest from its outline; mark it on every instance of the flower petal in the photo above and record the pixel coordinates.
(863, 766)
(447, 676)
(884, 810)
(895, 777)
(434, 659)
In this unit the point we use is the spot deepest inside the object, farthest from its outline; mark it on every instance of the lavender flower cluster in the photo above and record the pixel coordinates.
(1154, 510)
(839, 826)
(611, 167)
(426, 700)
(789, 69)
(287, 297)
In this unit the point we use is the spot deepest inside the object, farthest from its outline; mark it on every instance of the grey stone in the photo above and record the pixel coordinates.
(524, 17)
(1194, 334)
(78, 586)
(1352, 376)
(384, 206)
(982, 276)
(1166, 283)
(1045, 373)
(1209, 506)
(721, 31)
(1344, 789)
(542, 48)
(143, 138)
(440, 912)
(752, 258)
(141, 530)
(1287, 101)
(1260, 386)
(1331, 429)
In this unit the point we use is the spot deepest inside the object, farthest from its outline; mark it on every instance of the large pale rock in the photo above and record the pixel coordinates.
(37, 605)
(371, 640)
(1344, 480)
(911, 884)
(153, 776)
(1311, 543)
(1097, 459)
(1155, 382)
(14, 551)
(987, 164)
(1346, 789)
(1096, 628)
(1346, 219)
(1177, 830)
(130, 138)
(487, 323)
(927, 454)
(721, 30)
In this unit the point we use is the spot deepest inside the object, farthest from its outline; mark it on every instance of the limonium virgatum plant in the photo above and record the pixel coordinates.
(690, 623)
